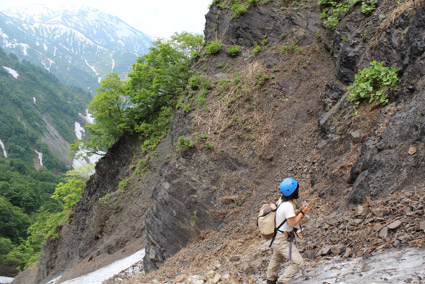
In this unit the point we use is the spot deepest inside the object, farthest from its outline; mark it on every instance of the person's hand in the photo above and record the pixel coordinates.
(305, 208)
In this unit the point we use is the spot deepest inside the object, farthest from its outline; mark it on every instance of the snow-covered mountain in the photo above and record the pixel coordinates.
(80, 45)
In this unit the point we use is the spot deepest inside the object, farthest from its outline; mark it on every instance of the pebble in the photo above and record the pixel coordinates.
(394, 225)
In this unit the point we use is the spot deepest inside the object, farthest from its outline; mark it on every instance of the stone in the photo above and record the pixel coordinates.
(234, 258)
(338, 249)
(226, 277)
(210, 274)
(422, 226)
(181, 278)
(377, 227)
(348, 253)
(360, 210)
(324, 251)
(383, 233)
(216, 265)
(356, 222)
(394, 225)
(412, 150)
(216, 278)
(196, 279)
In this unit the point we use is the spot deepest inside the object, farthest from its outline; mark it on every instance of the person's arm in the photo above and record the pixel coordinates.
(293, 221)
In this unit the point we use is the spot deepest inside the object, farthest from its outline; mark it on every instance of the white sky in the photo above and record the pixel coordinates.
(157, 18)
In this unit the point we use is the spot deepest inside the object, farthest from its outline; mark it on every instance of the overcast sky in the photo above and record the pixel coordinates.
(158, 18)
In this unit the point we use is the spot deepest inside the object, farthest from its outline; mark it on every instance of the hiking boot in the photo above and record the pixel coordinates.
(271, 282)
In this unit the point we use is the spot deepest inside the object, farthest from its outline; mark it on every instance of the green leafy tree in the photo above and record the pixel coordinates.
(70, 192)
(26, 253)
(109, 109)
(145, 101)
(13, 222)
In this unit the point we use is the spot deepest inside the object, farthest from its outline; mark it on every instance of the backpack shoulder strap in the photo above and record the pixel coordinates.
(275, 232)
(277, 229)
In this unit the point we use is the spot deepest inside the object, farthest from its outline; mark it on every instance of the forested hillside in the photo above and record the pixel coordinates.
(37, 116)
(37, 109)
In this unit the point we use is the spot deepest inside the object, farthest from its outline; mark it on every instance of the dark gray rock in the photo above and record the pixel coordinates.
(333, 93)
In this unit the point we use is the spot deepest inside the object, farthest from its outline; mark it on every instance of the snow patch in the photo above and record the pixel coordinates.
(91, 66)
(79, 131)
(104, 273)
(40, 157)
(3, 148)
(34, 99)
(390, 267)
(49, 64)
(4, 279)
(113, 62)
(12, 72)
(88, 117)
(25, 48)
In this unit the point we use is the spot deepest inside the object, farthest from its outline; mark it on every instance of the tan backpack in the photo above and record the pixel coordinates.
(266, 220)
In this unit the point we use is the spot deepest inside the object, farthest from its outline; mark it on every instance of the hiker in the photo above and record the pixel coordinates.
(283, 246)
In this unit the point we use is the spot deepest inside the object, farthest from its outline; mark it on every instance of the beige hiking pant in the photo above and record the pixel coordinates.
(281, 252)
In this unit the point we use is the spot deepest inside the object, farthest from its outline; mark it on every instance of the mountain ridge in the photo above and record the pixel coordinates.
(89, 40)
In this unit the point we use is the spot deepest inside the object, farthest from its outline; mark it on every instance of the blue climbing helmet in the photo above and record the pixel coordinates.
(288, 186)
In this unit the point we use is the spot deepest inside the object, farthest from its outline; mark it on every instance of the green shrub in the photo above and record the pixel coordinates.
(202, 97)
(184, 142)
(373, 84)
(206, 84)
(257, 49)
(213, 47)
(261, 79)
(194, 82)
(331, 10)
(233, 51)
(238, 9)
(368, 6)
(289, 48)
(253, 3)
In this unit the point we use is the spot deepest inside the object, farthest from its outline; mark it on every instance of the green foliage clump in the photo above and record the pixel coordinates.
(261, 79)
(184, 142)
(333, 9)
(213, 47)
(257, 49)
(368, 6)
(373, 84)
(238, 9)
(194, 82)
(233, 51)
(289, 48)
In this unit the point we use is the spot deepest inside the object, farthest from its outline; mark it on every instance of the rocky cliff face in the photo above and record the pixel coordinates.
(276, 110)
(391, 154)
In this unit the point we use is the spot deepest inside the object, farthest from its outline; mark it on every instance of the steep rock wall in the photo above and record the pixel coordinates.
(391, 154)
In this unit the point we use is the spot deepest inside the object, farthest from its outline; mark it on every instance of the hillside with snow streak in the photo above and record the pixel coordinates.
(78, 44)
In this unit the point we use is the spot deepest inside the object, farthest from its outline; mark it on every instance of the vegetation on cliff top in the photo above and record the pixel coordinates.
(144, 103)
